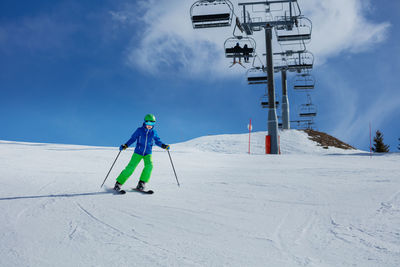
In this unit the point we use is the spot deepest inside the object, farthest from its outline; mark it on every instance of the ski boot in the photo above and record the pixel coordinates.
(140, 188)
(117, 188)
(140, 185)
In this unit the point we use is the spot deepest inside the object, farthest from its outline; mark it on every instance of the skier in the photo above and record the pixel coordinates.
(143, 137)
(237, 52)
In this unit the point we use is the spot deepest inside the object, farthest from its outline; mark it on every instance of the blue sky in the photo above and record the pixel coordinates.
(86, 72)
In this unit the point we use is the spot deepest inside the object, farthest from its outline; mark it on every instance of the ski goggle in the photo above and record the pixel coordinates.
(151, 123)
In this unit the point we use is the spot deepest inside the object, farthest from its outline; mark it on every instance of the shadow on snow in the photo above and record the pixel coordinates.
(58, 195)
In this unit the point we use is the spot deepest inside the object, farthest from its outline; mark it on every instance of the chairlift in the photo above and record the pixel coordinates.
(264, 102)
(300, 60)
(308, 109)
(211, 14)
(240, 47)
(308, 124)
(304, 81)
(304, 124)
(280, 63)
(281, 60)
(256, 75)
(299, 30)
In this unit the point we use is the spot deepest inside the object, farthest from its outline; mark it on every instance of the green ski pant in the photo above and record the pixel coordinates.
(130, 168)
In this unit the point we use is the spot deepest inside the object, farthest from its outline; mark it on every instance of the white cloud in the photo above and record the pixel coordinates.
(168, 43)
(341, 26)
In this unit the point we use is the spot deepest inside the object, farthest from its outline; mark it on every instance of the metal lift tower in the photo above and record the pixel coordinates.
(291, 28)
(287, 22)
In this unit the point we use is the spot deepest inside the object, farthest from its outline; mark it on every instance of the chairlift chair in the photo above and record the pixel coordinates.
(300, 61)
(211, 14)
(280, 63)
(304, 124)
(307, 124)
(281, 60)
(264, 102)
(298, 31)
(256, 75)
(307, 113)
(304, 81)
(308, 109)
(240, 47)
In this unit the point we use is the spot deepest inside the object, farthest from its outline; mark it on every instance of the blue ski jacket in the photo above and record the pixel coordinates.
(144, 140)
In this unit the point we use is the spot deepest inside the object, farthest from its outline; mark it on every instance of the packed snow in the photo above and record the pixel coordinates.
(309, 206)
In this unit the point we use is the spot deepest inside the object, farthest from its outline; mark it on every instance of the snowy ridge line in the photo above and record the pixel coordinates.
(291, 142)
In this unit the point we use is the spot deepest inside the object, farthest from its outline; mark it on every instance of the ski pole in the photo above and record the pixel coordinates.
(110, 169)
(176, 177)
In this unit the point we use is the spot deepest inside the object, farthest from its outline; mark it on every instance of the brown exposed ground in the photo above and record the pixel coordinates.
(325, 140)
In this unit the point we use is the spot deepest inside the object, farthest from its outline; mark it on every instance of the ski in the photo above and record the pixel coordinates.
(120, 192)
(115, 192)
(148, 192)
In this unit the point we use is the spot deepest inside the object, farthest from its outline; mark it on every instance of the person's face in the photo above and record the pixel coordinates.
(149, 127)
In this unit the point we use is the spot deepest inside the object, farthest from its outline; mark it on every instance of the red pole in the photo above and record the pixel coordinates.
(267, 144)
(249, 134)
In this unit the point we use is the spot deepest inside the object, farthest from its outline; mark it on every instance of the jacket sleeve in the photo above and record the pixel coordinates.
(157, 139)
(133, 138)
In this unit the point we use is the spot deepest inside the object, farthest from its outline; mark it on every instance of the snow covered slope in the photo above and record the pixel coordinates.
(292, 142)
(306, 207)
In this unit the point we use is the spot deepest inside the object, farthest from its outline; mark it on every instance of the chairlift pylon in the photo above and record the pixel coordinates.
(211, 14)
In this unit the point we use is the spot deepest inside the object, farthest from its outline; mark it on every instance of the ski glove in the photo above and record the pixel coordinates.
(123, 147)
(166, 147)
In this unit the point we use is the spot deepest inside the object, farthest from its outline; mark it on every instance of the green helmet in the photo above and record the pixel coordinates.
(150, 119)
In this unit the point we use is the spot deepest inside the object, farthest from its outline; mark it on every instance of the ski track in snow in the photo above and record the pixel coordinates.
(307, 207)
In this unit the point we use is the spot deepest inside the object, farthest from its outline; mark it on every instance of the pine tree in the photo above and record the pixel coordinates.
(379, 146)
(399, 145)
